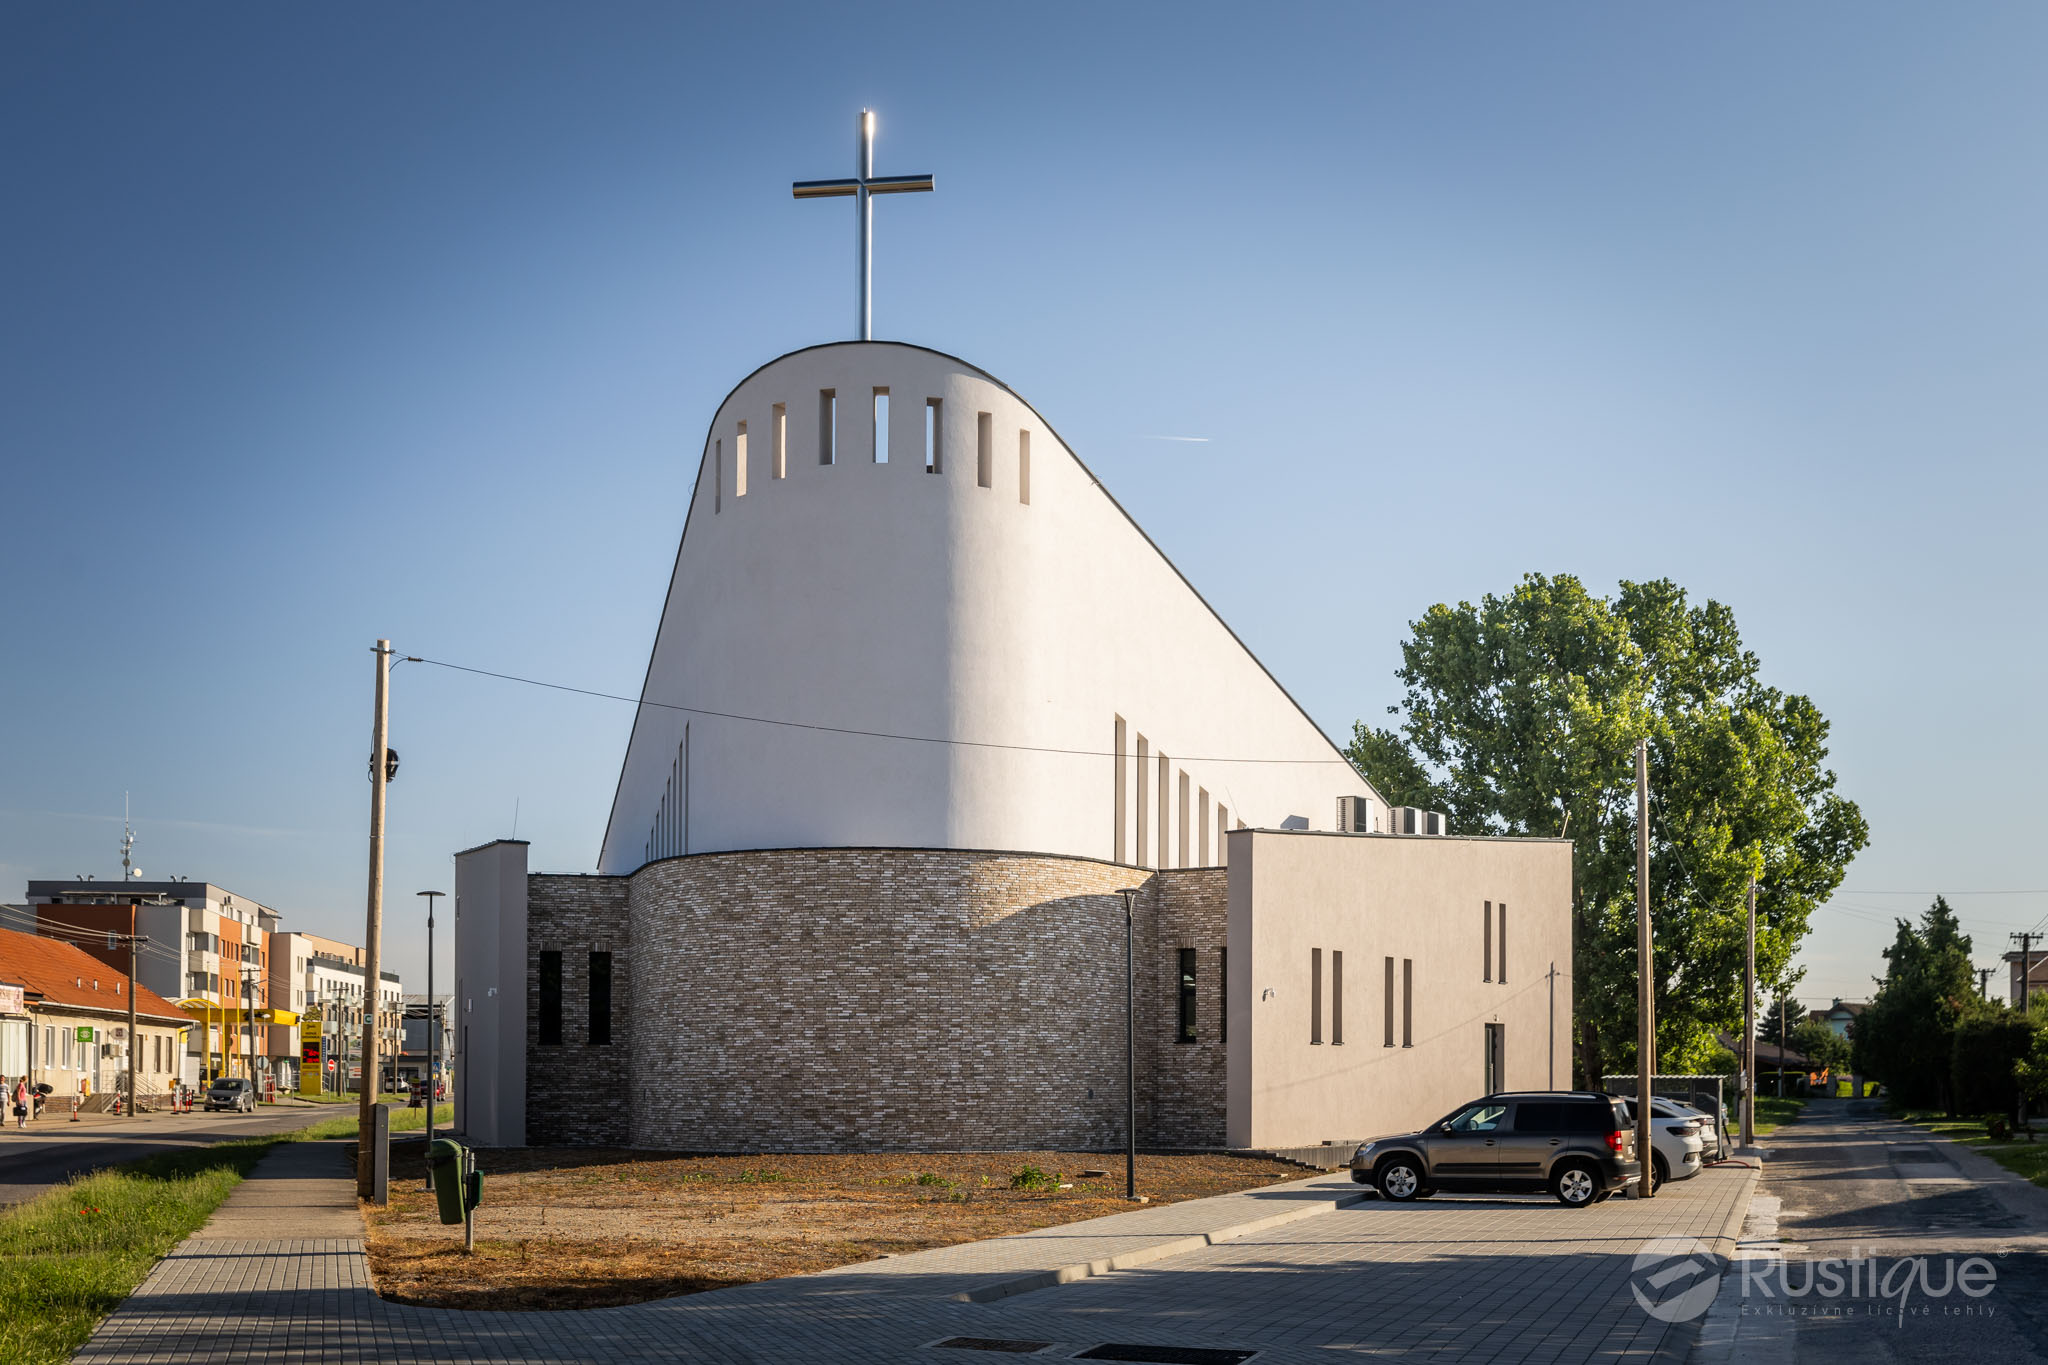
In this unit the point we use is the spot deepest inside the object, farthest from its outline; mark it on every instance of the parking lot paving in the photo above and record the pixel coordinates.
(1460, 1279)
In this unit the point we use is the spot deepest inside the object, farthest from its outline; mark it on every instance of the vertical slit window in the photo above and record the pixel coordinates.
(828, 425)
(934, 436)
(1407, 1002)
(1187, 996)
(1486, 934)
(1202, 827)
(1336, 997)
(1144, 778)
(600, 998)
(984, 450)
(1503, 942)
(1315, 996)
(550, 998)
(1182, 794)
(717, 476)
(1390, 1003)
(1165, 820)
(1024, 467)
(778, 442)
(1222, 828)
(739, 462)
(881, 426)
(1223, 995)
(1117, 802)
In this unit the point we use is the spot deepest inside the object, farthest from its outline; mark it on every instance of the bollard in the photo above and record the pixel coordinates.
(74, 1108)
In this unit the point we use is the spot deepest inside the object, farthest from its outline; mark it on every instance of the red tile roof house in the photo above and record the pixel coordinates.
(70, 1028)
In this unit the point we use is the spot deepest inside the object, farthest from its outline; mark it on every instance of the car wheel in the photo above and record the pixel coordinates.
(1660, 1173)
(1399, 1180)
(1575, 1186)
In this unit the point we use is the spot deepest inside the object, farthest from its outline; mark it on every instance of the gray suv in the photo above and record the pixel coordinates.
(1576, 1144)
(231, 1092)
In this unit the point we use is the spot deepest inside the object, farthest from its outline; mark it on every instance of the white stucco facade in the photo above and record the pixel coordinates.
(1001, 634)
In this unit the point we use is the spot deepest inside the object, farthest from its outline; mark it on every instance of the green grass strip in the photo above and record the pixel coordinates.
(1772, 1113)
(2021, 1157)
(70, 1255)
(402, 1121)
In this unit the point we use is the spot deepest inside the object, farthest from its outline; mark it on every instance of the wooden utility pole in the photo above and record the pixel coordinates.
(1749, 1025)
(1984, 982)
(2026, 972)
(380, 734)
(1646, 992)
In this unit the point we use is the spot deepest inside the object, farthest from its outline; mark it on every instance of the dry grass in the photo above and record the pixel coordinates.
(583, 1228)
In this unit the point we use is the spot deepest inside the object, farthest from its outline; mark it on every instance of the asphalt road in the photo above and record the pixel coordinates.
(1851, 1185)
(53, 1148)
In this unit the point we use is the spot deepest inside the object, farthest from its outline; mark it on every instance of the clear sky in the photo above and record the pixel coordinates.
(326, 323)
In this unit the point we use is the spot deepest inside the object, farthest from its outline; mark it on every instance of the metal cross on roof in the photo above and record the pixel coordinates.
(864, 184)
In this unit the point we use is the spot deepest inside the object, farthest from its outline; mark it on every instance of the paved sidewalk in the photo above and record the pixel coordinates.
(1481, 1279)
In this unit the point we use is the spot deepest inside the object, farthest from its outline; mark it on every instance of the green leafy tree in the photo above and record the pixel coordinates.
(1520, 717)
(1992, 1044)
(1823, 1048)
(1906, 1038)
(1779, 1020)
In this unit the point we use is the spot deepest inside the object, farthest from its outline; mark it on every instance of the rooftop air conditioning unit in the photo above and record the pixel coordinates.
(1354, 815)
(1415, 820)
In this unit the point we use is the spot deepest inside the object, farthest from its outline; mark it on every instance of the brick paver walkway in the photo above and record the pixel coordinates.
(1465, 1279)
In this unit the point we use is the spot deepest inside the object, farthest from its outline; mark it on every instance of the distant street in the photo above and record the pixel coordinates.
(1844, 1183)
(53, 1147)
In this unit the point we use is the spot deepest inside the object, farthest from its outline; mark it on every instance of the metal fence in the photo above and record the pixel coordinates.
(1711, 1094)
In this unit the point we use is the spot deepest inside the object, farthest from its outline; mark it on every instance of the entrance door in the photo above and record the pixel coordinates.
(1496, 1058)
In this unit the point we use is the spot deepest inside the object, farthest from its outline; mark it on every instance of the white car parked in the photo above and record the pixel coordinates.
(1675, 1138)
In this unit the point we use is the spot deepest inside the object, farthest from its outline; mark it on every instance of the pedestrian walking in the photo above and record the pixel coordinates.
(21, 1103)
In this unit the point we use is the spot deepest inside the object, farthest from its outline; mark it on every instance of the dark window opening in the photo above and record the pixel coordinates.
(1503, 941)
(1223, 995)
(1187, 996)
(1315, 997)
(1486, 933)
(1336, 997)
(1390, 1002)
(550, 998)
(600, 998)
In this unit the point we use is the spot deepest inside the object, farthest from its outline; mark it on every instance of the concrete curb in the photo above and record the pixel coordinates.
(1081, 1270)
(1683, 1342)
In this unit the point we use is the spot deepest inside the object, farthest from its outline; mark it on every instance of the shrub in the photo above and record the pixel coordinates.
(1033, 1178)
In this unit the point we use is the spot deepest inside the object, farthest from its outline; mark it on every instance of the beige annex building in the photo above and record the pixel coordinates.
(900, 749)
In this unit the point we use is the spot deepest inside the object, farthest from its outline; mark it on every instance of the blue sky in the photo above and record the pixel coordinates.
(325, 324)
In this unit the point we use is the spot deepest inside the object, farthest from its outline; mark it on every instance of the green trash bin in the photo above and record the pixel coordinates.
(444, 1159)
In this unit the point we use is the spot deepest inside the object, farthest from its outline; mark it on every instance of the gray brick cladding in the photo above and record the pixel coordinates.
(877, 999)
(575, 1092)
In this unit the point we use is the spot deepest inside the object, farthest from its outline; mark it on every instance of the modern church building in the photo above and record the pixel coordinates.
(924, 703)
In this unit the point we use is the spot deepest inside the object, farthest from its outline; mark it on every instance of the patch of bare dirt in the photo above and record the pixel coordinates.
(589, 1228)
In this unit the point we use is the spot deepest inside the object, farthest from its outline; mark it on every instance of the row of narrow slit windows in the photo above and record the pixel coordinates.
(878, 445)
(1401, 993)
(1157, 806)
(597, 998)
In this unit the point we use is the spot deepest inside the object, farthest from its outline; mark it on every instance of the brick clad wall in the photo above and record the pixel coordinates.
(576, 1092)
(876, 999)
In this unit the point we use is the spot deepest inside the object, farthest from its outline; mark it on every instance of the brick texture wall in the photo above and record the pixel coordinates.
(877, 999)
(576, 1091)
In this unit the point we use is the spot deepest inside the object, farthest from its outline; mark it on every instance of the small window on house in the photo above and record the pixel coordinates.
(1182, 793)
(718, 476)
(1390, 1003)
(1315, 997)
(984, 450)
(1165, 800)
(934, 435)
(1187, 996)
(1336, 997)
(1407, 1002)
(1503, 942)
(1144, 785)
(778, 442)
(550, 997)
(1202, 825)
(600, 998)
(1223, 995)
(739, 462)
(1222, 828)
(1486, 934)
(1024, 467)
(828, 425)
(881, 426)
(1118, 814)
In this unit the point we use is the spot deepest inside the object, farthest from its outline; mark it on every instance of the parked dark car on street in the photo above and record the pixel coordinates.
(231, 1092)
(1575, 1144)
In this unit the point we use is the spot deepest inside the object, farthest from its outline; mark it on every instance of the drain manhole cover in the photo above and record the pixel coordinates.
(1166, 1355)
(1015, 1348)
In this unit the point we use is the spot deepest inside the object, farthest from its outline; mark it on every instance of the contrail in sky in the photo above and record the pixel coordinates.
(1200, 440)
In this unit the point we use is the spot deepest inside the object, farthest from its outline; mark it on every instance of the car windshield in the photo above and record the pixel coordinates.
(1480, 1118)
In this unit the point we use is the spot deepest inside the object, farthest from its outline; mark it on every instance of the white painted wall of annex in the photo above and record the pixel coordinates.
(881, 597)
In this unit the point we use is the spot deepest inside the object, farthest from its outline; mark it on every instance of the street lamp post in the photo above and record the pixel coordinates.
(433, 1029)
(1130, 1060)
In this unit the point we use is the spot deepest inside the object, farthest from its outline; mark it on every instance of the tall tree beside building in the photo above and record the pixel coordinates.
(1906, 1037)
(1520, 717)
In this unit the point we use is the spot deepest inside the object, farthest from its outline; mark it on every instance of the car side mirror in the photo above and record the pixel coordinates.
(1445, 1126)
